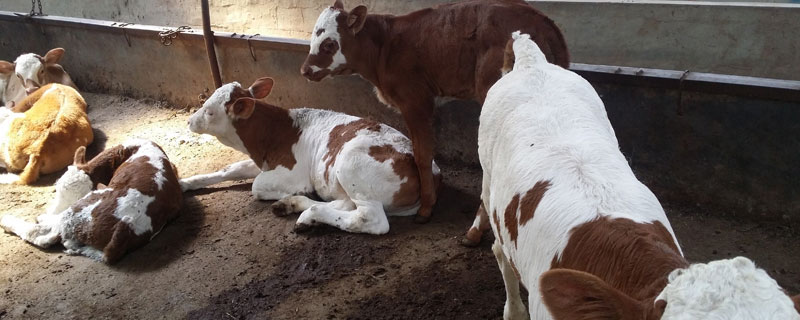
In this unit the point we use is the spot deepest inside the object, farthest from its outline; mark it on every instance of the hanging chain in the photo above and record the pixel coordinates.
(33, 8)
(168, 35)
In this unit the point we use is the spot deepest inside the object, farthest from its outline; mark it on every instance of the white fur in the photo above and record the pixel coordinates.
(132, 210)
(213, 119)
(155, 157)
(358, 191)
(327, 21)
(541, 122)
(71, 187)
(725, 289)
(6, 119)
(29, 67)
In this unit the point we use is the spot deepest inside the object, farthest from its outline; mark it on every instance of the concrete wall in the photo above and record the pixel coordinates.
(728, 38)
(734, 156)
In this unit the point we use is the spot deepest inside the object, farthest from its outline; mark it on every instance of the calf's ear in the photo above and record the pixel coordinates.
(53, 56)
(242, 108)
(356, 19)
(80, 156)
(570, 294)
(796, 300)
(338, 4)
(6, 67)
(261, 87)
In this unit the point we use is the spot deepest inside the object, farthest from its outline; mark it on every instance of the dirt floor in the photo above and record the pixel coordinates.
(226, 258)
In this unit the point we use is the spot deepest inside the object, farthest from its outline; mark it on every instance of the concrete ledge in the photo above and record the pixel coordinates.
(695, 141)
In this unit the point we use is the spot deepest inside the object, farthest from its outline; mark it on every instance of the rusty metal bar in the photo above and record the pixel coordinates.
(208, 35)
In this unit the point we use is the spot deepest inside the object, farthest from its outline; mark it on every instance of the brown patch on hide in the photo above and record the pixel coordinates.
(508, 57)
(497, 234)
(342, 134)
(510, 217)
(404, 167)
(268, 133)
(108, 233)
(531, 201)
(514, 267)
(634, 258)
(54, 126)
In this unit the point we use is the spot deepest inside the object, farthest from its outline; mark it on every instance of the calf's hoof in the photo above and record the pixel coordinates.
(279, 209)
(422, 219)
(469, 243)
(302, 228)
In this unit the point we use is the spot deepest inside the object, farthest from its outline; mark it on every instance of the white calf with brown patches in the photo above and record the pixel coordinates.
(28, 73)
(361, 169)
(574, 225)
(137, 193)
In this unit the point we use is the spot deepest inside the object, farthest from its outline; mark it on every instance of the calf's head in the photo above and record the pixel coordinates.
(724, 289)
(31, 68)
(332, 39)
(226, 105)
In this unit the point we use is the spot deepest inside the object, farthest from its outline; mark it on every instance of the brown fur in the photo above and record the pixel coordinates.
(343, 133)
(450, 50)
(45, 140)
(634, 258)
(107, 232)
(530, 201)
(576, 295)
(796, 300)
(510, 217)
(474, 235)
(268, 133)
(497, 223)
(405, 168)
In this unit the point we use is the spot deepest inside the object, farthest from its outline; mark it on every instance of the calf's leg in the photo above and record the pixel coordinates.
(295, 204)
(417, 112)
(479, 226)
(367, 217)
(241, 170)
(514, 308)
(40, 235)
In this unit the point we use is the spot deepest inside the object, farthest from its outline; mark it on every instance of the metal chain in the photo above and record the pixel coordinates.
(33, 8)
(168, 35)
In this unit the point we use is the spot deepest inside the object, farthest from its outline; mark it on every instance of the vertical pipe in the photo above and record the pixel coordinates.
(208, 35)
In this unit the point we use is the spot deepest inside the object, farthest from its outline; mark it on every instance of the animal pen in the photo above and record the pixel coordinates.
(719, 150)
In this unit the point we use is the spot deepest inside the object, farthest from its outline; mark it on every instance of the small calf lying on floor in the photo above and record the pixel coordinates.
(137, 194)
(362, 169)
(574, 225)
(44, 138)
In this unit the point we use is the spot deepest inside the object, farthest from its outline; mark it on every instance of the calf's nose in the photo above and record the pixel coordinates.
(306, 70)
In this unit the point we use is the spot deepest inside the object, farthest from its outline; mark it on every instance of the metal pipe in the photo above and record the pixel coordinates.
(208, 35)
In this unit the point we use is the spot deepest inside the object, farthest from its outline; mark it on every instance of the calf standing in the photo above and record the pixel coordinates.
(137, 194)
(575, 226)
(44, 138)
(362, 169)
(29, 72)
(452, 50)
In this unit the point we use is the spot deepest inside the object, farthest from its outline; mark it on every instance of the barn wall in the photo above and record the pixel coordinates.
(751, 39)
(735, 156)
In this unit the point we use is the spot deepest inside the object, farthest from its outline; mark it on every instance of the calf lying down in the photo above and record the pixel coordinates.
(575, 226)
(44, 138)
(361, 169)
(137, 193)
(29, 72)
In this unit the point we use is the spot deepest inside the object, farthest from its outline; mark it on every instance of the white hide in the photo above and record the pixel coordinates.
(30, 68)
(132, 210)
(725, 289)
(71, 187)
(213, 119)
(363, 186)
(6, 118)
(155, 157)
(327, 22)
(541, 122)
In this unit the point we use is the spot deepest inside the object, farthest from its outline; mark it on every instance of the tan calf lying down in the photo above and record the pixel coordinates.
(44, 138)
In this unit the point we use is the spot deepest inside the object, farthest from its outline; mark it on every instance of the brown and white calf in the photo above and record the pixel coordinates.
(44, 138)
(361, 169)
(136, 192)
(29, 72)
(448, 51)
(575, 226)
